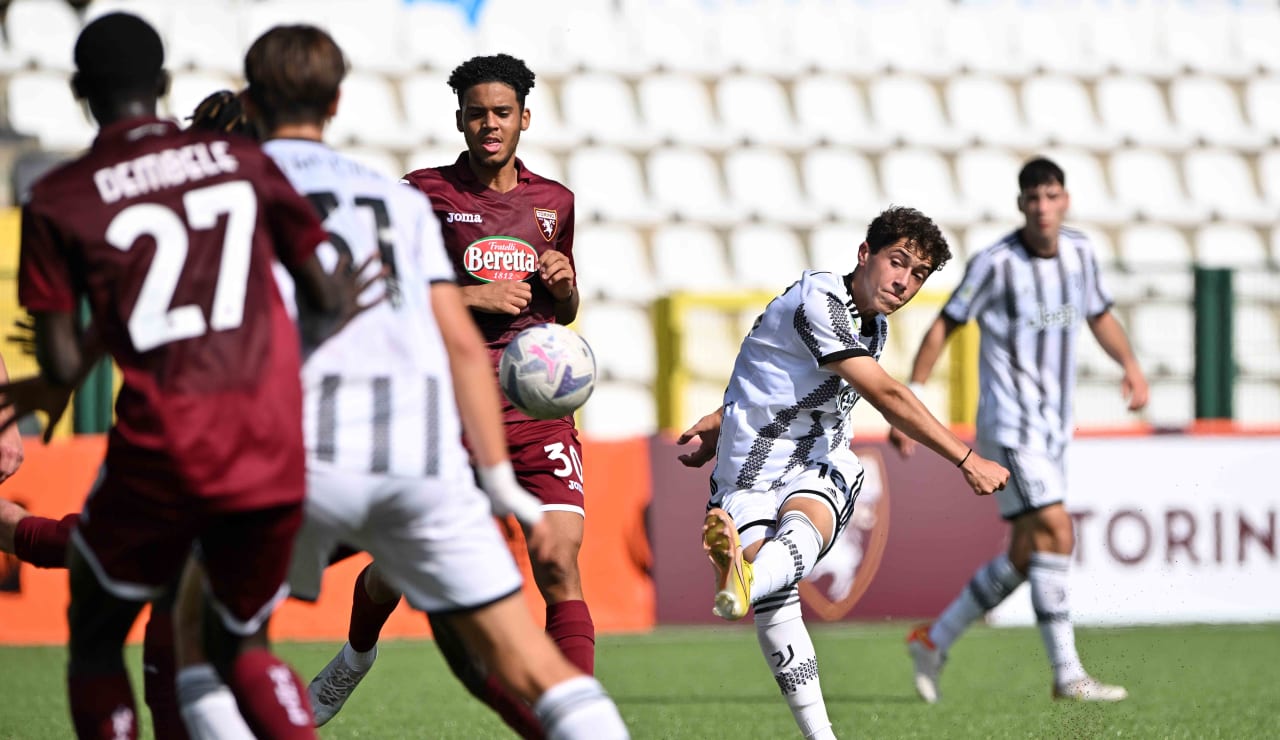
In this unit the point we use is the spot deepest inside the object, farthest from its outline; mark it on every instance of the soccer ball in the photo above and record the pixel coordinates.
(547, 371)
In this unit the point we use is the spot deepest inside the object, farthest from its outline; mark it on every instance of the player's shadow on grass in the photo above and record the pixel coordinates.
(756, 699)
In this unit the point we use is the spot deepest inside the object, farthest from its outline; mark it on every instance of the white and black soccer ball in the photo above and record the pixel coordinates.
(547, 371)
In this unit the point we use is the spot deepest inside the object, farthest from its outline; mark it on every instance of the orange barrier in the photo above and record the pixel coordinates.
(615, 558)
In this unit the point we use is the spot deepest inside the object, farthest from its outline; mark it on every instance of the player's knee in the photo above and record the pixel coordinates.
(380, 591)
(557, 571)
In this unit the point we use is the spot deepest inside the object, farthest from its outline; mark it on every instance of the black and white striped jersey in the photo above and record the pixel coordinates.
(1029, 310)
(784, 410)
(378, 396)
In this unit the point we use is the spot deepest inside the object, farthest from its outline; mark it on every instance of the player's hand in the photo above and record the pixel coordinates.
(352, 284)
(11, 454)
(905, 445)
(707, 430)
(984, 476)
(507, 496)
(1134, 388)
(22, 397)
(539, 541)
(557, 274)
(25, 336)
(500, 296)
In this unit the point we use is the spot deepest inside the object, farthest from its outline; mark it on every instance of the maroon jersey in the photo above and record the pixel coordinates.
(171, 236)
(499, 236)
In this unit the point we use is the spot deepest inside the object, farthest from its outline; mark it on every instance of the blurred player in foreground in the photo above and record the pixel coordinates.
(386, 468)
(786, 479)
(1030, 292)
(171, 236)
(490, 206)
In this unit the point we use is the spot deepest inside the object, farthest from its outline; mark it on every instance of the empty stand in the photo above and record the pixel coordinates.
(754, 110)
(763, 184)
(767, 257)
(1230, 245)
(686, 186)
(430, 105)
(1148, 182)
(41, 105)
(619, 410)
(1257, 402)
(42, 33)
(988, 182)
(437, 36)
(907, 108)
(1256, 339)
(1059, 107)
(834, 247)
(830, 110)
(599, 108)
(921, 179)
(621, 337)
(1153, 325)
(1132, 109)
(608, 185)
(690, 257)
(677, 108)
(841, 184)
(1222, 181)
(1208, 109)
(369, 114)
(612, 263)
(984, 109)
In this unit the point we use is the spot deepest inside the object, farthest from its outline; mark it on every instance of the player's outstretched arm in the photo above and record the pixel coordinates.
(926, 357)
(707, 430)
(500, 296)
(906, 413)
(476, 392)
(1111, 335)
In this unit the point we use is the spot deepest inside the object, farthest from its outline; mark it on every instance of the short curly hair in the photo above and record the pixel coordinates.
(503, 68)
(221, 111)
(922, 234)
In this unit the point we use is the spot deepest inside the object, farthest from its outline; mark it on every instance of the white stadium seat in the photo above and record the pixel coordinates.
(988, 181)
(834, 247)
(677, 109)
(900, 38)
(827, 38)
(763, 184)
(525, 30)
(1230, 245)
(370, 32)
(1147, 181)
(1172, 404)
(598, 39)
(438, 36)
(921, 179)
(1097, 401)
(1051, 38)
(584, 98)
(42, 33)
(369, 114)
(608, 185)
(766, 256)
(690, 257)
(985, 110)
(1269, 177)
(1256, 339)
(1221, 180)
(1152, 325)
(1126, 39)
(676, 36)
(1262, 106)
(754, 110)
(1206, 108)
(1158, 246)
(621, 337)
(1255, 29)
(619, 410)
(841, 183)
(41, 105)
(907, 108)
(754, 40)
(1257, 402)
(978, 37)
(686, 186)
(830, 110)
(1198, 37)
(1092, 198)
(1132, 109)
(1059, 107)
(612, 263)
(430, 107)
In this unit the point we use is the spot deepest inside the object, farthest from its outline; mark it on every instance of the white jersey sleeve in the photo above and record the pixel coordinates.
(979, 286)
(823, 323)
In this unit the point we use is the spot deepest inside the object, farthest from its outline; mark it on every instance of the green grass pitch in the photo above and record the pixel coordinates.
(1185, 682)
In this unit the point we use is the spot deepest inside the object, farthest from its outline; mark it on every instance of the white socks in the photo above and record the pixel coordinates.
(357, 660)
(1048, 576)
(788, 649)
(787, 558)
(579, 709)
(993, 582)
(208, 707)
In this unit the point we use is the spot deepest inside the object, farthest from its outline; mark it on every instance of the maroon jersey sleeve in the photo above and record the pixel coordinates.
(44, 275)
(296, 231)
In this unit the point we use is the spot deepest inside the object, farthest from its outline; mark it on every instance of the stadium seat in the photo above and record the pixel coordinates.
(754, 111)
(1198, 37)
(1207, 109)
(676, 37)
(381, 161)
(1230, 245)
(1256, 285)
(187, 89)
(371, 33)
(766, 256)
(430, 106)
(1059, 107)
(1051, 38)
(41, 105)
(540, 161)
(827, 38)
(1103, 250)
(1092, 199)
(1133, 110)
(42, 33)
(690, 257)
(977, 37)
(1093, 362)
(546, 125)
(677, 109)
(1256, 340)
(1262, 106)
(1257, 402)
(1145, 247)
(763, 184)
(621, 337)
(900, 38)
(984, 109)
(1151, 325)
(1269, 177)
(618, 410)
(608, 185)
(686, 186)
(830, 110)
(754, 39)
(599, 108)
(921, 179)
(907, 109)
(841, 183)
(1147, 181)
(1222, 181)
(437, 36)
(988, 182)
(834, 247)
(525, 30)
(1255, 29)
(206, 36)
(595, 38)
(1172, 404)
(369, 114)
(612, 263)
(1097, 402)
(1126, 39)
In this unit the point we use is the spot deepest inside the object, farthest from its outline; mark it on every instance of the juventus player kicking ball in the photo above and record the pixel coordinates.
(1030, 292)
(786, 479)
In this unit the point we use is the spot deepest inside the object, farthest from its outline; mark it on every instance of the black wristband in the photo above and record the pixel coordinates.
(966, 457)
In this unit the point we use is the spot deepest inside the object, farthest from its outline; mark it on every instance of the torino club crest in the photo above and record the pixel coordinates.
(547, 223)
(841, 578)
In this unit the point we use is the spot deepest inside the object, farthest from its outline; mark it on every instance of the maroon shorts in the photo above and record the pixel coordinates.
(137, 543)
(547, 458)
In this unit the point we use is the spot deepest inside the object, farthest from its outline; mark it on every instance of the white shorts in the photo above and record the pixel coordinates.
(434, 539)
(755, 513)
(1036, 479)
